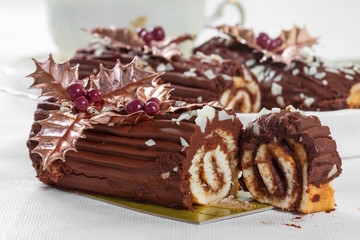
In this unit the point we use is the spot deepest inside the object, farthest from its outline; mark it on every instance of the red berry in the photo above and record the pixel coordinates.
(262, 39)
(271, 45)
(278, 41)
(135, 105)
(158, 33)
(75, 90)
(93, 95)
(140, 31)
(151, 108)
(148, 37)
(81, 103)
(154, 99)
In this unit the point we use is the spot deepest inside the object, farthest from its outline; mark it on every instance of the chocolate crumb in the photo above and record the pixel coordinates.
(297, 217)
(331, 210)
(292, 225)
(267, 223)
(316, 198)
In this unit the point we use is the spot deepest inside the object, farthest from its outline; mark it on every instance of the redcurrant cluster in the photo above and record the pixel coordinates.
(77, 93)
(157, 34)
(265, 42)
(151, 107)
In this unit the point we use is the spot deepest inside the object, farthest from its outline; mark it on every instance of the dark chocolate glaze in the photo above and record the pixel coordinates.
(327, 95)
(115, 160)
(307, 130)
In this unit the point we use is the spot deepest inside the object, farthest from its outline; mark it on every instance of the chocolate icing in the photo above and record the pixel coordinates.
(194, 88)
(319, 145)
(115, 161)
(303, 90)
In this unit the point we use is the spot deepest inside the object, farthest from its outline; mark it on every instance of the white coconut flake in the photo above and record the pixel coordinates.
(333, 70)
(226, 77)
(272, 74)
(150, 142)
(280, 101)
(276, 89)
(349, 77)
(295, 72)
(332, 171)
(201, 122)
(261, 77)
(324, 82)
(263, 111)
(258, 69)
(190, 74)
(275, 110)
(98, 52)
(199, 99)
(256, 129)
(184, 143)
(348, 71)
(161, 67)
(302, 95)
(320, 75)
(169, 67)
(176, 169)
(94, 70)
(278, 78)
(250, 62)
(223, 115)
(309, 101)
(165, 175)
(312, 70)
(300, 139)
(293, 64)
(210, 74)
(111, 124)
(306, 70)
(185, 116)
(247, 75)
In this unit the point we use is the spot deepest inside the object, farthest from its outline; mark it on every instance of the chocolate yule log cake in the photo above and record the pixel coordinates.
(289, 160)
(118, 134)
(199, 78)
(285, 74)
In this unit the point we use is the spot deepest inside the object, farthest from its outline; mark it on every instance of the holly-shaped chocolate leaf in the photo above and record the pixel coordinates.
(118, 37)
(53, 78)
(291, 42)
(116, 83)
(125, 38)
(59, 134)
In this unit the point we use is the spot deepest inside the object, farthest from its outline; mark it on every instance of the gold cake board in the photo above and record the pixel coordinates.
(200, 215)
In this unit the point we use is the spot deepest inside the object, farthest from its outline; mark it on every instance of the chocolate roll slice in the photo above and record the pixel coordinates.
(176, 154)
(197, 79)
(289, 161)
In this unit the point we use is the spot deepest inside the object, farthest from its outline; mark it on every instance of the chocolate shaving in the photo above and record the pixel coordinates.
(293, 41)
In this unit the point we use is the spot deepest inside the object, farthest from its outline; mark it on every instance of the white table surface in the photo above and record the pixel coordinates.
(31, 210)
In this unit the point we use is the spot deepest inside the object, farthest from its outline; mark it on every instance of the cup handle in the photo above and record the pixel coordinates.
(238, 6)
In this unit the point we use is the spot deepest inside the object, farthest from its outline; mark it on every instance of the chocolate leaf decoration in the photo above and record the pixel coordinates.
(118, 37)
(168, 48)
(109, 80)
(58, 135)
(53, 78)
(293, 41)
(125, 38)
(296, 37)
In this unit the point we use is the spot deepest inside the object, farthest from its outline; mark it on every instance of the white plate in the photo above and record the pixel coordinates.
(344, 127)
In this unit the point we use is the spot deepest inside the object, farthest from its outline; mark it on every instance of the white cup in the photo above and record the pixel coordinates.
(67, 18)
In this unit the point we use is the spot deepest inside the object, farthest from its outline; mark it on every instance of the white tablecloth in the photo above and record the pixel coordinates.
(31, 210)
